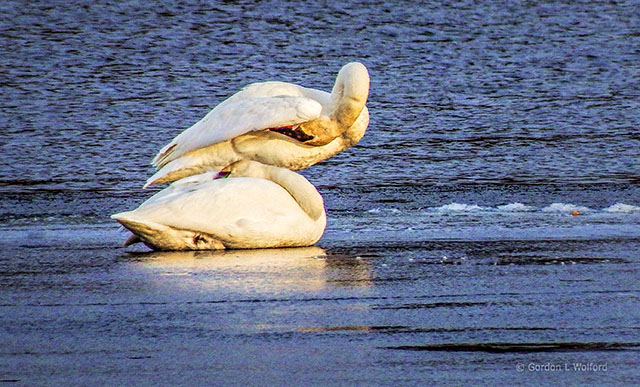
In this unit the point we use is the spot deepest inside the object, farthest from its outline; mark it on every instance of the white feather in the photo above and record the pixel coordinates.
(239, 212)
(236, 129)
(244, 115)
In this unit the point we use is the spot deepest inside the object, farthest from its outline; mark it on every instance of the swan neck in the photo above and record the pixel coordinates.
(356, 131)
(302, 191)
(348, 98)
(345, 106)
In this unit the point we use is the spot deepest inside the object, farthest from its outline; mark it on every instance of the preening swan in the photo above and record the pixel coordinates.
(275, 123)
(257, 206)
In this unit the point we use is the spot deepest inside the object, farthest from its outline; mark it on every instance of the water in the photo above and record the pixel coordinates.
(450, 257)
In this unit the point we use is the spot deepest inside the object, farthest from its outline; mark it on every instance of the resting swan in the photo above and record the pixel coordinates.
(258, 206)
(275, 123)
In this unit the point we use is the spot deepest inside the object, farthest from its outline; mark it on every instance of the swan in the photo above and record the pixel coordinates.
(275, 123)
(255, 206)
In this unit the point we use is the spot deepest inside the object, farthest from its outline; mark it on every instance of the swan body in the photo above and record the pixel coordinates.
(259, 206)
(275, 123)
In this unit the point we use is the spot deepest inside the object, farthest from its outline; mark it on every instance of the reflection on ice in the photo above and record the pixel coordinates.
(254, 271)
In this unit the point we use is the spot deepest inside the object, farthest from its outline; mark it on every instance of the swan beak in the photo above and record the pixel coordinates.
(222, 174)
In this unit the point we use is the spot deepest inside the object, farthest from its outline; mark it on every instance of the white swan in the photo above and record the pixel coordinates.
(275, 123)
(260, 206)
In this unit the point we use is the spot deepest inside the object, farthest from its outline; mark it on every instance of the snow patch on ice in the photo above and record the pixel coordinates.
(621, 207)
(459, 207)
(565, 208)
(515, 207)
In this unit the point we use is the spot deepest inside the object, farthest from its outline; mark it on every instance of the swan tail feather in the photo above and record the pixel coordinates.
(150, 233)
(162, 237)
(163, 157)
(178, 169)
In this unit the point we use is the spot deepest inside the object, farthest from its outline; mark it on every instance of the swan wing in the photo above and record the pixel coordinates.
(237, 116)
(275, 88)
(181, 187)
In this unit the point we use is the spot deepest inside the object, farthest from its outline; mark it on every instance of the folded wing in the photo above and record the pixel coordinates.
(237, 116)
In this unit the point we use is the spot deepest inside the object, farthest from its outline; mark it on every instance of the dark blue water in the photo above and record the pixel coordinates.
(450, 256)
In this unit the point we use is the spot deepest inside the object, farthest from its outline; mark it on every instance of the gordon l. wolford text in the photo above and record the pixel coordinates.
(566, 367)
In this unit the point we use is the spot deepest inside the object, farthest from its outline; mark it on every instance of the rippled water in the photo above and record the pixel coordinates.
(450, 255)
